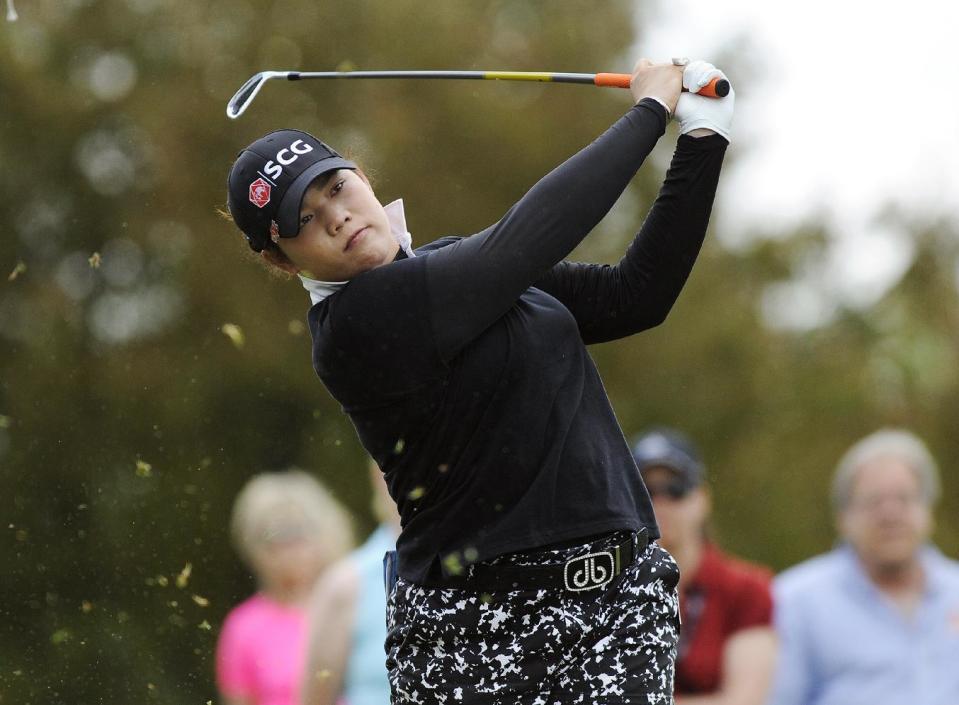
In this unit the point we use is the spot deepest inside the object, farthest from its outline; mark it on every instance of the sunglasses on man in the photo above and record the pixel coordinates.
(674, 489)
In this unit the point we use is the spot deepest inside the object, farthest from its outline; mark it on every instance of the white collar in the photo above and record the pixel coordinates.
(319, 290)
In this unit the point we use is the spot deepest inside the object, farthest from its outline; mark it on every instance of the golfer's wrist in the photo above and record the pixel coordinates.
(669, 113)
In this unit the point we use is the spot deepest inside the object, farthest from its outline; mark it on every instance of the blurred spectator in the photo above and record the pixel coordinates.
(347, 658)
(876, 620)
(727, 645)
(288, 529)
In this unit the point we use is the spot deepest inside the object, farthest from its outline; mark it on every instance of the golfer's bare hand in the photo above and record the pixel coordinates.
(662, 81)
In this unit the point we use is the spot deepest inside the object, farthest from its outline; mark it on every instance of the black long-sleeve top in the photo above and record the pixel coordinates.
(465, 371)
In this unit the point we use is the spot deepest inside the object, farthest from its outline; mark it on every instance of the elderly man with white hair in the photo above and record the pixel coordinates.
(876, 620)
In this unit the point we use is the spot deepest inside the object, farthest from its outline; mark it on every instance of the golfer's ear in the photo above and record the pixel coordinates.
(276, 258)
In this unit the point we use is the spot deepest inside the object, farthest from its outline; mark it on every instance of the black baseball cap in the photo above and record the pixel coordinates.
(668, 448)
(269, 178)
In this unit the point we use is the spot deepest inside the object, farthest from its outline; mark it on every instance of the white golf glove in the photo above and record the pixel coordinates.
(694, 111)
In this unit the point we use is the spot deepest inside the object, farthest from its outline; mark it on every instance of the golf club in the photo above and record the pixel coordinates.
(717, 88)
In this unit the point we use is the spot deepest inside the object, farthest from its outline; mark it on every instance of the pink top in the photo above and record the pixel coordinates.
(261, 652)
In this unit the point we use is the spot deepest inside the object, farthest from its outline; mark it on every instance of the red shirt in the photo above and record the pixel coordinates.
(725, 596)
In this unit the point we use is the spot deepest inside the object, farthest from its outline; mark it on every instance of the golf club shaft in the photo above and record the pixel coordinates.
(717, 88)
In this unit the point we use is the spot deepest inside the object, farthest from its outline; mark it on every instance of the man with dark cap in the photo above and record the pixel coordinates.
(727, 645)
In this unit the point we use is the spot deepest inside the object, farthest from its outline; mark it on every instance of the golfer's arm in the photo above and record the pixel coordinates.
(474, 281)
(330, 627)
(611, 302)
(748, 663)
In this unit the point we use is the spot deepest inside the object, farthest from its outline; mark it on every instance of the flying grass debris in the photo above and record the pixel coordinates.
(453, 564)
(184, 577)
(234, 333)
(95, 260)
(17, 271)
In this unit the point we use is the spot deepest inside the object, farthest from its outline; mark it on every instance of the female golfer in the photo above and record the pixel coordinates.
(526, 572)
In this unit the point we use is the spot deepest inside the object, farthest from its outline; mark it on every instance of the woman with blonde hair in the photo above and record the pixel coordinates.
(288, 529)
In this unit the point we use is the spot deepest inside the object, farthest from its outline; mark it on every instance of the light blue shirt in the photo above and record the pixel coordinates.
(842, 642)
(366, 681)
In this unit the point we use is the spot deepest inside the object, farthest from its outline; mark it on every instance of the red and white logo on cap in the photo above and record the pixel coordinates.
(259, 193)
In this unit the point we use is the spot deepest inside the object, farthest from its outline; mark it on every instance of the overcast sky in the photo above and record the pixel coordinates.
(855, 107)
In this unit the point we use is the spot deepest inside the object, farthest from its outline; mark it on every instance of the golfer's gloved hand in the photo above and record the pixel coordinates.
(695, 111)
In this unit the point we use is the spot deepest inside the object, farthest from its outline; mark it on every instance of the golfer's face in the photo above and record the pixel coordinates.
(344, 230)
(887, 518)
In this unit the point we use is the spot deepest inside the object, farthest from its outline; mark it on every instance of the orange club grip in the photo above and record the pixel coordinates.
(717, 88)
(612, 80)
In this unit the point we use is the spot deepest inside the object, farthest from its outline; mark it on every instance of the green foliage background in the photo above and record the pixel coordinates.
(128, 420)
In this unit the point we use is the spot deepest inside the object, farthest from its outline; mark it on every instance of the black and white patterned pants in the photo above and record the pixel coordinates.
(614, 645)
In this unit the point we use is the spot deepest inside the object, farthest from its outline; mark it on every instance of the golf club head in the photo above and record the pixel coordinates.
(243, 97)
